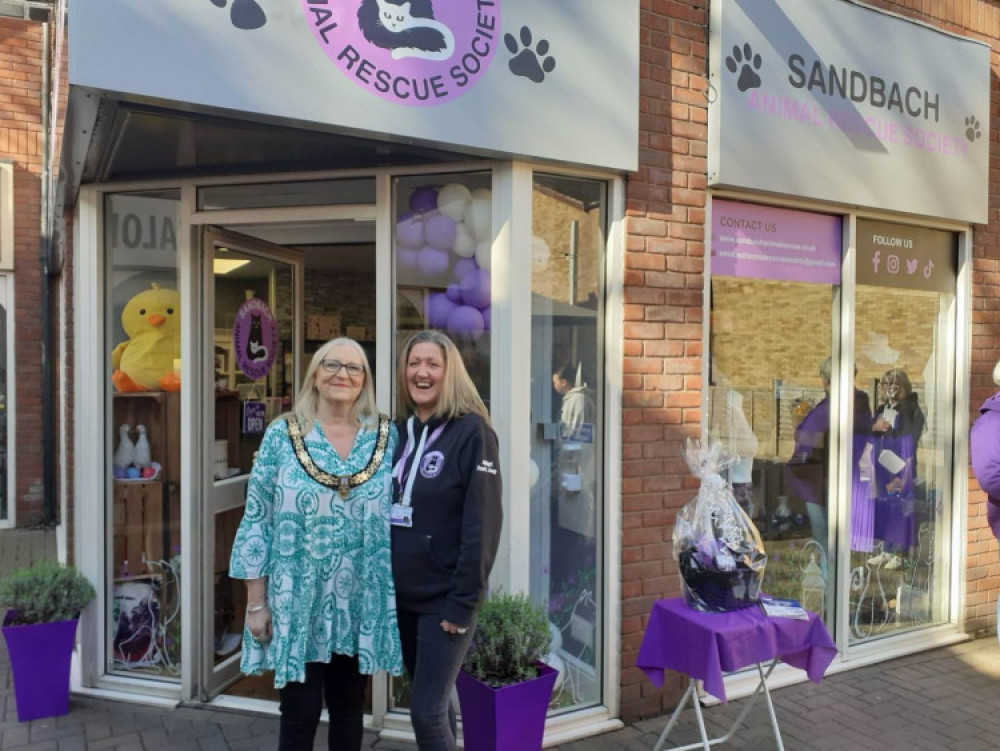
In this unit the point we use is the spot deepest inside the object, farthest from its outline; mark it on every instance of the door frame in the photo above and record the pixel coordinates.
(218, 496)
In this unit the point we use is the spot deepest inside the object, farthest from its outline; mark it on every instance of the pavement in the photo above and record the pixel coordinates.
(945, 698)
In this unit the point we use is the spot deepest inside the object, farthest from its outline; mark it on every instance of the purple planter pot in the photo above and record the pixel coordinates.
(511, 718)
(40, 656)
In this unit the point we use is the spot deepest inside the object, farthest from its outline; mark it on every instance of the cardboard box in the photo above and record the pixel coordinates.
(357, 333)
(322, 327)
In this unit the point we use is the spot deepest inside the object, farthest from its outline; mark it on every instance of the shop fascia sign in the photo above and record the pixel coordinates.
(832, 100)
(503, 76)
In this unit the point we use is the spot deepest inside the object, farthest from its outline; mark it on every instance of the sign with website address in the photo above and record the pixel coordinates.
(764, 242)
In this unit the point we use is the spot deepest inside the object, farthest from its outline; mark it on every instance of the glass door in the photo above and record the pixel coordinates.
(252, 343)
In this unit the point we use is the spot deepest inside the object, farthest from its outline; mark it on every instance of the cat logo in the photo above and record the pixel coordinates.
(408, 51)
(255, 338)
(432, 464)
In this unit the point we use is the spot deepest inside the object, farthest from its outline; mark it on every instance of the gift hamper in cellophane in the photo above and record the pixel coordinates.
(716, 545)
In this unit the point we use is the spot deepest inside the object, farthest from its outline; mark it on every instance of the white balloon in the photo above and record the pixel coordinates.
(465, 243)
(453, 199)
(533, 472)
(479, 218)
(484, 255)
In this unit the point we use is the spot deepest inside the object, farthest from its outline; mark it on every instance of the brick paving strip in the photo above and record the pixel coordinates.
(946, 698)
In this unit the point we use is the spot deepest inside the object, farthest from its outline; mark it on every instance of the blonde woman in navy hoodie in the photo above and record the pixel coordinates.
(446, 520)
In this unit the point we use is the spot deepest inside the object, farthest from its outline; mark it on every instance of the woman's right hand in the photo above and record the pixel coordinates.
(881, 425)
(259, 623)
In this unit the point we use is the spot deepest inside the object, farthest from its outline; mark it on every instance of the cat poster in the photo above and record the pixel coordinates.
(255, 338)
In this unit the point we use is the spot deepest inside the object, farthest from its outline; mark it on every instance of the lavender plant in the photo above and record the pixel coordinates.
(45, 592)
(511, 636)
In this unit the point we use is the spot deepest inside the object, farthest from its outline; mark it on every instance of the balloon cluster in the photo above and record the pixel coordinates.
(445, 240)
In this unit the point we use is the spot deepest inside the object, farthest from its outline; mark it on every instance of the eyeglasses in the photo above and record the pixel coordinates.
(333, 366)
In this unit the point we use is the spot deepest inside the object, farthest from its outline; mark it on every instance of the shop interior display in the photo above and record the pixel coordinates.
(145, 595)
(444, 245)
(148, 359)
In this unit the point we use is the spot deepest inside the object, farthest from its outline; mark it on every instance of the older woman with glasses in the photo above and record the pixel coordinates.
(313, 548)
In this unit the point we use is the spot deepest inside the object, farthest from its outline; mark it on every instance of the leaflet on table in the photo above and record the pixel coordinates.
(778, 607)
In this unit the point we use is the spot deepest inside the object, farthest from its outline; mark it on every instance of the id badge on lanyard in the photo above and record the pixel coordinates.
(401, 514)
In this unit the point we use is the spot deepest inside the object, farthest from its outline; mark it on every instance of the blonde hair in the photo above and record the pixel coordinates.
(996, 373)
(365, 409)
(458, 392)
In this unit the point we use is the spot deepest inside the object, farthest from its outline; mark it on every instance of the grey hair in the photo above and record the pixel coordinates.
(365, 409)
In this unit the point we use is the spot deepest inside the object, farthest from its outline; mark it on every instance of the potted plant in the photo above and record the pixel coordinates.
(504, 687)
(44, 603)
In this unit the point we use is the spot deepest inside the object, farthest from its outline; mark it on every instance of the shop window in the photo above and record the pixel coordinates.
(905, 316)
(142, 320)
(774, 298)
(347, 191)
(442, 244)
(6, 424)
(567, 372)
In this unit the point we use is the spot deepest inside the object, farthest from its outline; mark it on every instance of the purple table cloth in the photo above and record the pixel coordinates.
(706, 645)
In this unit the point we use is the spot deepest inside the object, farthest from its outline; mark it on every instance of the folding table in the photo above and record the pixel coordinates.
(704, 646)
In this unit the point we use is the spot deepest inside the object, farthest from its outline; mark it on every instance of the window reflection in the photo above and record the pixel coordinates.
(567, 256)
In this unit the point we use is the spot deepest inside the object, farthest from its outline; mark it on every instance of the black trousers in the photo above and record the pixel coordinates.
(433, 659)
(343, 687)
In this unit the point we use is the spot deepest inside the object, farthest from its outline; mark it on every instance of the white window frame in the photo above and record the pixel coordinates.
(512, 201)
(6, 215)
(7, 290)
(851, 656)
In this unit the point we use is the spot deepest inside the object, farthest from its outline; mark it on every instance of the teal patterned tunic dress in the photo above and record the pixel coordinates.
(326, 559)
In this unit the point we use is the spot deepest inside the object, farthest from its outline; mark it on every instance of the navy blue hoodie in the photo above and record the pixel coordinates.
(442, 563)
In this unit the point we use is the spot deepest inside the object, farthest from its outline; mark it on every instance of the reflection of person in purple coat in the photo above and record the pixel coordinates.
(984, 445)
(899, 423)
(808, 469)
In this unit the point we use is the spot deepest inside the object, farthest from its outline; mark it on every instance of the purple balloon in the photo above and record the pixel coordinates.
(466, 320)
(439, 230)
(462, 267)
(432, 261)
(438, 309)
(406, 258)
(424, 198)
(487, 316)
(410, 231)
(475, 286)
(454, 293)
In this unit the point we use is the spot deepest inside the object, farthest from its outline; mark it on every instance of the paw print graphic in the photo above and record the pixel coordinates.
(972, 131)
(526, 60)
(750, 65)
(245, 14)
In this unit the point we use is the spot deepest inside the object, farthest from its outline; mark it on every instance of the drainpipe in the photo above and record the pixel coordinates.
(49, 506)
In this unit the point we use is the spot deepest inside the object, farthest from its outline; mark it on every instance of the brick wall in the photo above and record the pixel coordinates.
(21, 141)
(664, 283)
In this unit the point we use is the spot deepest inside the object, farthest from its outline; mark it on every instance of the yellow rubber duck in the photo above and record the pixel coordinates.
(145, 362)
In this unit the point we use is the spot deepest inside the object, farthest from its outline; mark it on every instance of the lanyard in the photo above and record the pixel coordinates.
(406, 478)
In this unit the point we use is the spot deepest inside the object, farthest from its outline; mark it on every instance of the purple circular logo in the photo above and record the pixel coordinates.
(409, 52)
(255, 338)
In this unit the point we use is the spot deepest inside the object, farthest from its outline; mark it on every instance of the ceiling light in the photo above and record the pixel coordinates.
(225, 265)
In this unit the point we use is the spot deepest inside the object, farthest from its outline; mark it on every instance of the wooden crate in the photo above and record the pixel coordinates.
(138, 526)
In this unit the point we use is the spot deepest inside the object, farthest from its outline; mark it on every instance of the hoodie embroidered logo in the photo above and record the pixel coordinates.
(486, 466)
(431, 464)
